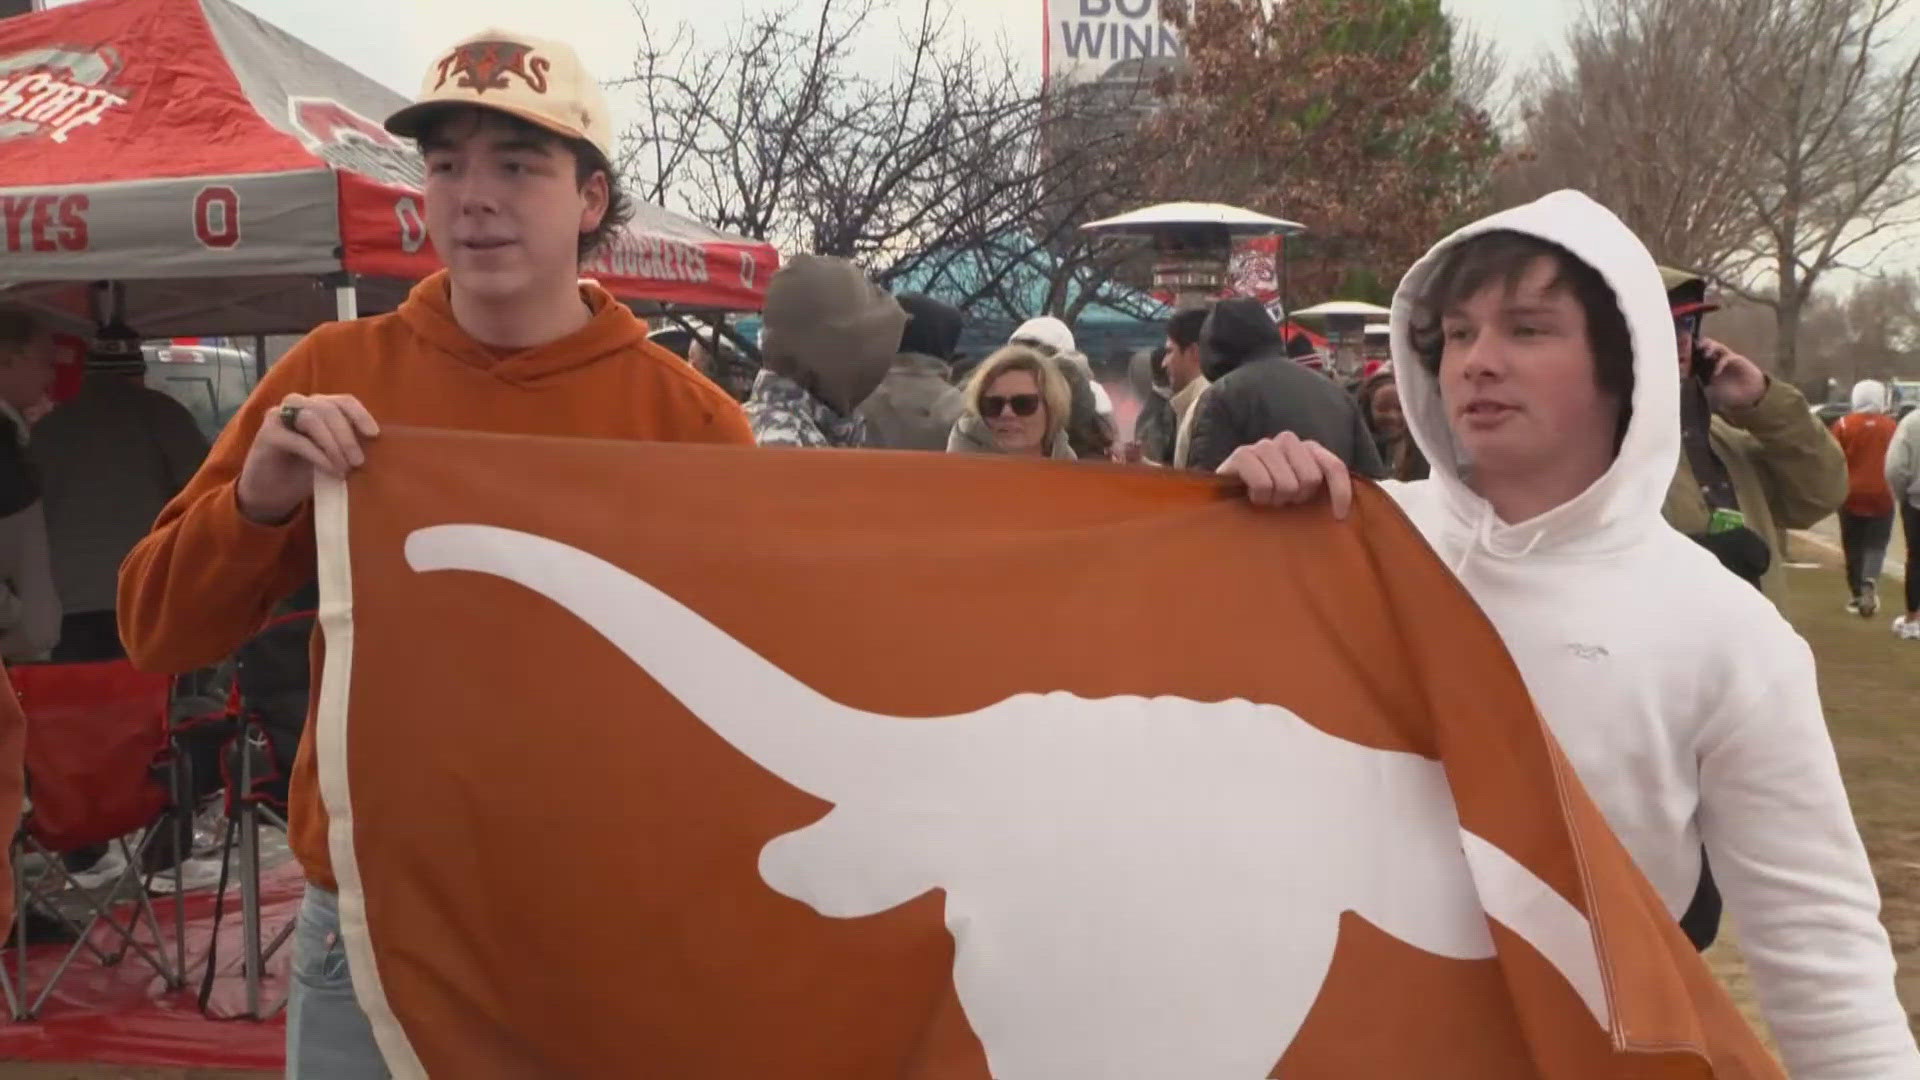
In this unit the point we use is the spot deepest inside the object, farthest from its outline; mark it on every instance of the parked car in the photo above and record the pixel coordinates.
(1906, 396)
(1830, 411)
(212, 381)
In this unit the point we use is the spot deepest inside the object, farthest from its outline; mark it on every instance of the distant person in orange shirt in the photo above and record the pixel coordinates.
(507, 340)
(1866, 518)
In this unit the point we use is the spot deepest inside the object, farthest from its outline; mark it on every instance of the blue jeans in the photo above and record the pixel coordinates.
(328, 1037)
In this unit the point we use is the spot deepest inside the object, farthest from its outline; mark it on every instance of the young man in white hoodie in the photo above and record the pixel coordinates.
(1534, 352)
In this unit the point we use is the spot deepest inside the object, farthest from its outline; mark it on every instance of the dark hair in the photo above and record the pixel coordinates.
(587, 160)
(1184, 328)
(1503, 257)
(19, 328)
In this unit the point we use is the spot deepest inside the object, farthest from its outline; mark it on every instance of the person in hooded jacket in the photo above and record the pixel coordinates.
(1256, 392)
(827, 337)
(1866, 518)
(916, 405)
(1533, 351)
(1754, 460)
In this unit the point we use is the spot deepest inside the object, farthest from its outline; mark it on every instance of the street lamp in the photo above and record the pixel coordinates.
(1193, 244)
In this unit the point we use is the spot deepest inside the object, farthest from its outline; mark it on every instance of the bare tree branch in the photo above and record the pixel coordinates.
(949, 167)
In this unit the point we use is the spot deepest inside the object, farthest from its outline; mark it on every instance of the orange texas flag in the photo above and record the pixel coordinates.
(713, 764)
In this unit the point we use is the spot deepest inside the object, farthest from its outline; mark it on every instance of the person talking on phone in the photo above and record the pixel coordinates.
(1754, 459)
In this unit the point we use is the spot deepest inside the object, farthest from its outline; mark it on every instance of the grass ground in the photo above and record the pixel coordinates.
(1871, 685)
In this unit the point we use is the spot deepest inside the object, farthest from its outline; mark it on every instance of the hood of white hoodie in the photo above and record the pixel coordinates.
(1870, 396)
(1625, 502)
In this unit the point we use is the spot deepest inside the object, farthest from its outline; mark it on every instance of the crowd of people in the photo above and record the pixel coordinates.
(845, 365)
(1608, 482)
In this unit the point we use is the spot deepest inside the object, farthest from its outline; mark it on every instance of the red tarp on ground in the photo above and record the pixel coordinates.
(124, 1016)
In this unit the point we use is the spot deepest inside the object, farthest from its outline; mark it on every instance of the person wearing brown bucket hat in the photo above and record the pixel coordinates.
(1754, 460)
(507, 339)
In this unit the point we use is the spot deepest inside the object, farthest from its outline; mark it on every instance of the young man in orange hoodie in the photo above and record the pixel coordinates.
(517, 139)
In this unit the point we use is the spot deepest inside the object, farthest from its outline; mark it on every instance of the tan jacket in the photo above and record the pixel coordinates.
(1183, 410)
(1787, 472)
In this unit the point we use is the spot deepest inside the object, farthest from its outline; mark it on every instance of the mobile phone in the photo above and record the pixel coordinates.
(1705, 363)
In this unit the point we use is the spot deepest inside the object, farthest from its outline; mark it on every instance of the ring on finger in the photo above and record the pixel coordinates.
(290, 417)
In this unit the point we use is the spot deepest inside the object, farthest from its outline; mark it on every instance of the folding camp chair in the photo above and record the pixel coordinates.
(99, 770)
(252, 777)
(260, 727)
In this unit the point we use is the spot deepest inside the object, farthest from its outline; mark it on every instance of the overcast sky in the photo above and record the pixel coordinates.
(392, 40)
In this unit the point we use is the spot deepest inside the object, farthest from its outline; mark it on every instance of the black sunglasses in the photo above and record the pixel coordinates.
(1021, 404)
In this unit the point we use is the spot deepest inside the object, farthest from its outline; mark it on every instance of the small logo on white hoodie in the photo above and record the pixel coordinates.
(1589, 653)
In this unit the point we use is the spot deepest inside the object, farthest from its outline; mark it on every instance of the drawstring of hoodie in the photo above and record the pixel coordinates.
(1483, 539)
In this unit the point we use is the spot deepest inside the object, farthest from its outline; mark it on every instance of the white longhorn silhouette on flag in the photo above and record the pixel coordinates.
(1136, 887)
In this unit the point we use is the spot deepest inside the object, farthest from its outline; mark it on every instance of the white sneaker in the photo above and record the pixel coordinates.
(1853, 607)
(1869, 601)
(1906, 629)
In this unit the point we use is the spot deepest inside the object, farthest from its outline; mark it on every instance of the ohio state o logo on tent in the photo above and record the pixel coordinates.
(413, 227)
(216, 216)
(746, 269)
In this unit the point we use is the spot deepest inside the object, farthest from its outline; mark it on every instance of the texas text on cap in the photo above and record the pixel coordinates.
(539, 81)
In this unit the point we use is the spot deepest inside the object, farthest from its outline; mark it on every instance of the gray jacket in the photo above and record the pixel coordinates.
(915, 406)
(1903, 461)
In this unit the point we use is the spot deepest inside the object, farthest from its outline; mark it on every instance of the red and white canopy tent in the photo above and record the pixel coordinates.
(230, 179)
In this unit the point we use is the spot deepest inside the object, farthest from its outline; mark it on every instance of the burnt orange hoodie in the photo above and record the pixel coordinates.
(206, 578)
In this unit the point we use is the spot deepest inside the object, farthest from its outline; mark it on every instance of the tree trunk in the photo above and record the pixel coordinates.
(1786, 313)
(1786, 321)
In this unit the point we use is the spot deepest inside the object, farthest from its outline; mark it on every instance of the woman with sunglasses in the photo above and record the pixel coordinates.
(1017, 403)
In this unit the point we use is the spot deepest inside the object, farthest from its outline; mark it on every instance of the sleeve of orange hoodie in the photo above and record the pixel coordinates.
(205, 579)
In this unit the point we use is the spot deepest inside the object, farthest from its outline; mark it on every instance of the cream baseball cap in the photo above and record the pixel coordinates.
(539, 81)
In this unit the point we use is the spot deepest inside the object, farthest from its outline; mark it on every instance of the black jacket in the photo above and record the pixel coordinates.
(1258, 393)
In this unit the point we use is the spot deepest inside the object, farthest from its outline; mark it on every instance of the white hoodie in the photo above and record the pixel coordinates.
(1686, 703)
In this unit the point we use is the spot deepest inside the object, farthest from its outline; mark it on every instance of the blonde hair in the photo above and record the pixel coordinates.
(1012, 358)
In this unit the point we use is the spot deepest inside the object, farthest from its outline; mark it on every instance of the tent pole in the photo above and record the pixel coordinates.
(346, 302)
